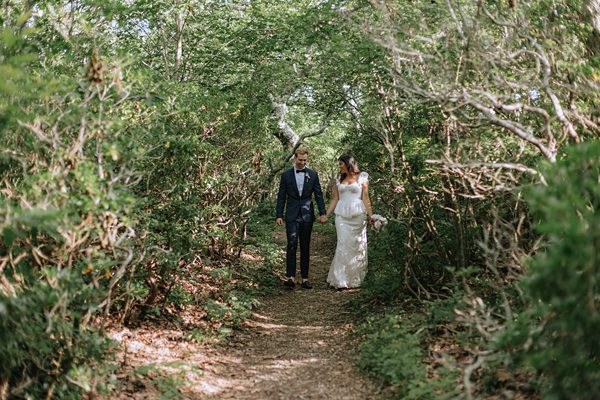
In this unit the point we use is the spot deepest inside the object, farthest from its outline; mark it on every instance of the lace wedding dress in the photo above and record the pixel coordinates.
(349, 265)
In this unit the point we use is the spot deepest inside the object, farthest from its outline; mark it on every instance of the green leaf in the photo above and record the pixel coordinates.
(23, 18)
(9, 235)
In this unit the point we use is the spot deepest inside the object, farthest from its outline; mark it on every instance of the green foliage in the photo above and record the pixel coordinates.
(168, 384)
(440, 312)
(393, 354)
(46, 350)
(556, 334)
(110, 190)
(121, 193)
(178, 296)
(66, 228)
(261, 242)
(385, 279)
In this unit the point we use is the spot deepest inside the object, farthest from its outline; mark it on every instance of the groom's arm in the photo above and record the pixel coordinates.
(281, 197)
(319, 196)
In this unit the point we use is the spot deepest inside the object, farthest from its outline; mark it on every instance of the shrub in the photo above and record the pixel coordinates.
(47, 351)
(393, 354)
(557, 334)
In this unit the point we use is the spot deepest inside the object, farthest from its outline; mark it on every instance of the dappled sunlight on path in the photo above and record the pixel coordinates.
(296, 345)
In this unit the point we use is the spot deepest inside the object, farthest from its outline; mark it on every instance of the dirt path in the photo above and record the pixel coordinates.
(297, 345)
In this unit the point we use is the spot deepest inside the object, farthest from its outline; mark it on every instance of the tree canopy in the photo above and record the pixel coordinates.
(140, 138)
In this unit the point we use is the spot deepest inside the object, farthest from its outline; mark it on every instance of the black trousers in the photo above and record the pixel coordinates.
(297, 231)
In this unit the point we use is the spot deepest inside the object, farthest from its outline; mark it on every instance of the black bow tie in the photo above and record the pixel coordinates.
(300, 170)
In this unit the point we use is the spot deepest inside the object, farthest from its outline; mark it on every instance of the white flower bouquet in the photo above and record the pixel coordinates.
(378, 222)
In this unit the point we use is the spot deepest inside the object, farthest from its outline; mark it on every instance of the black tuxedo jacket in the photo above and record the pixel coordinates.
(299, 204)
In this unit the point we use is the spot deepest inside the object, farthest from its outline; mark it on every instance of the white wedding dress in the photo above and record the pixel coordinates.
(349, 265)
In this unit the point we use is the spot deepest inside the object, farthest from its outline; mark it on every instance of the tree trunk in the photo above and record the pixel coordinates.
(593, 42)
(285, 134)
(165, 48)
(7, 12)
(179, 46)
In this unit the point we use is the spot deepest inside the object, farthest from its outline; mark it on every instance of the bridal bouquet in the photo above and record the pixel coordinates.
(378, 222)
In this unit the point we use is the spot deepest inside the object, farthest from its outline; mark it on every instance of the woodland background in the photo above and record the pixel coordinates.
(141, 142)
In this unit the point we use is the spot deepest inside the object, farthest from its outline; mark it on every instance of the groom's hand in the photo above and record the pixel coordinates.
(279, 221)
(323, 219)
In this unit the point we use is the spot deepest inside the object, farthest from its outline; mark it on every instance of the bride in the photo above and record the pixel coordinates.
(352, 206)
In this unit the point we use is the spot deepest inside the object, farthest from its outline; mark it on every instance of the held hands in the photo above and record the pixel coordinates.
(322, 220)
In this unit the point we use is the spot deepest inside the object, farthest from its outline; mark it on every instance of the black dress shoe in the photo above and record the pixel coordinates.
(306, 285)
(289, 283)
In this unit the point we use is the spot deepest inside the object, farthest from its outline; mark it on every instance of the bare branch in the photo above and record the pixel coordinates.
(286, 134)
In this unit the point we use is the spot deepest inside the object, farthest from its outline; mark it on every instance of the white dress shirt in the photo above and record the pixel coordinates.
(299, 180)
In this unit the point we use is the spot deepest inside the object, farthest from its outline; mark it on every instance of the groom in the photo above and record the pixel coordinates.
(296, 188)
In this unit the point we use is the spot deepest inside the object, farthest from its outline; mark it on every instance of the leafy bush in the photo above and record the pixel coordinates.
(557, 334)
(46, 350)
(385, 279)
(110, 191)
(65, 226)
(393, 353)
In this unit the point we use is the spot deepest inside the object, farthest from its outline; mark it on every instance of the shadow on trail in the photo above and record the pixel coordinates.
(296, 346)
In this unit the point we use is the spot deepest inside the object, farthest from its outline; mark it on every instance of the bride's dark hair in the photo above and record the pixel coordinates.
(350, 164)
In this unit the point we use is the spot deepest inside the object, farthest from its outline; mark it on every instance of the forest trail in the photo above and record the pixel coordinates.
(296, 345)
